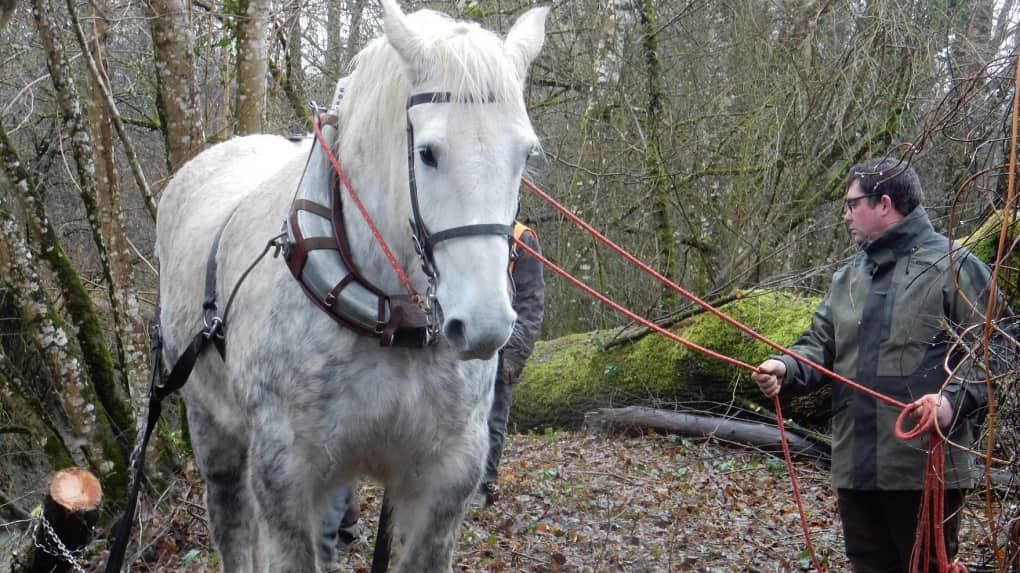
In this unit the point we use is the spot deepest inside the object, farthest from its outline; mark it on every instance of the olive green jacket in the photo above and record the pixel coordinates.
(885, 324)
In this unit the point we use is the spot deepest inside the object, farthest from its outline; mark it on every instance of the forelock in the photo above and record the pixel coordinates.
(462, 57)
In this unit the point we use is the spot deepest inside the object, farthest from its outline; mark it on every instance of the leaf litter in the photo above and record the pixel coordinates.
(572, 502)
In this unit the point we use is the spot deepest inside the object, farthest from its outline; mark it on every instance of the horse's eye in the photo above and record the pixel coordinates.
(427, 157)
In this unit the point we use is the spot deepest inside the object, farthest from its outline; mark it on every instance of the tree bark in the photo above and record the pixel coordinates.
(252, 64)
(6, 11)
(568, 376)
(75, 421)
(655, 168)
(129, 326)
(356, 8)
(177, 98)
(94, 350)
(635, 420)
(575, 250)
(1013, 545)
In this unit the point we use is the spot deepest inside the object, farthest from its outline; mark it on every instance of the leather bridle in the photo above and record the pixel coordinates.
(425, 240)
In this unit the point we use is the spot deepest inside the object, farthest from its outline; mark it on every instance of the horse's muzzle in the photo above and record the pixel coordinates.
(477, 339)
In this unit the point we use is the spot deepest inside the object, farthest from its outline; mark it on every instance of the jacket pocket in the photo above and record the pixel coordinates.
(915, 322)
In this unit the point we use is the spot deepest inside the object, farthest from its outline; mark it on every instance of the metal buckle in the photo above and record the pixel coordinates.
(213, 326)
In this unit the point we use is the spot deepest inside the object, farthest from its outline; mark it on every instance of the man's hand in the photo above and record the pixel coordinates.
(769, 376)
(943, 414)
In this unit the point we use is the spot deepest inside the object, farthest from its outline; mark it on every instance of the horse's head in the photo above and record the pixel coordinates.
(468, 138)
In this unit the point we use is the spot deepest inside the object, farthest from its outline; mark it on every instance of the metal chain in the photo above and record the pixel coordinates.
(64, 553)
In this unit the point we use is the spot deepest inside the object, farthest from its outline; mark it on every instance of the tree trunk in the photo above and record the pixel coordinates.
(569, 376)
(655, 168)
(635, 420)
(129, 326)
(6, 11)
(1013, 545)
(70, 510)
(48, 333)
(334, 46)
(252, 64)
(177, 98)
(49, 336)
(356, 8)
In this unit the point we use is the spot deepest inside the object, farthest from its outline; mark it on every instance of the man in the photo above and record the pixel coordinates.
(340, 519)
(883, 324)
(529, 303)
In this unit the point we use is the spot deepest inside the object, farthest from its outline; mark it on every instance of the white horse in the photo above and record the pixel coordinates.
(300, 404)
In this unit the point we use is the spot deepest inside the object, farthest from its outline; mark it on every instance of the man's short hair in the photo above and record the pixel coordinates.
(888, 176)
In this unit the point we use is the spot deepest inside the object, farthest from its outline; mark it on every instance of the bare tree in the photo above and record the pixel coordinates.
(177, 91)
(252, 64)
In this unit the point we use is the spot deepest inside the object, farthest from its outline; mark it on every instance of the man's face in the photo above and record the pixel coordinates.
(864, 220)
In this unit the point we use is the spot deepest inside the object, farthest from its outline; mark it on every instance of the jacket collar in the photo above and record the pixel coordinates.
(900, 239)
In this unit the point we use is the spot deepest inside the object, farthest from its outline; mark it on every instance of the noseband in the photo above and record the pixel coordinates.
(424, 240)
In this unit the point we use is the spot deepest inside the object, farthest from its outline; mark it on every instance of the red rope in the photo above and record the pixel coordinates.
(733, 361)
(796, 487)
(709, 308)
(364, 213)
(932, 509)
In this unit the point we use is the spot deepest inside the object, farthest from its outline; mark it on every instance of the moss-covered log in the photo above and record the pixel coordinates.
(984, 242)
(569, 376)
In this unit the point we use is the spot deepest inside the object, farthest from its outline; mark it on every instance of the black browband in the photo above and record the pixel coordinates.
(424, 240)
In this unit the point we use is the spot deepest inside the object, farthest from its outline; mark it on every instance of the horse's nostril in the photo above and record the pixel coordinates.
(455, 332)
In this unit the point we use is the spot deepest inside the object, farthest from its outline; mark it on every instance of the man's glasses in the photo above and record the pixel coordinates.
(851, 202)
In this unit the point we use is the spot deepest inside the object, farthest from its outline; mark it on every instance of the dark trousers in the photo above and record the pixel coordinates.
(879, 528)
(499, 416)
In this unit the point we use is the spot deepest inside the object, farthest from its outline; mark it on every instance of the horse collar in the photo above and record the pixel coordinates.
(319, 257)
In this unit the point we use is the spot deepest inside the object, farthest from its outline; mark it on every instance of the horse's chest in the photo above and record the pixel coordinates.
(403, 400)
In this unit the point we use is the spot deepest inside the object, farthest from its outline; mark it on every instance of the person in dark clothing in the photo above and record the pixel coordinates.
(883, 323)
(529, 303)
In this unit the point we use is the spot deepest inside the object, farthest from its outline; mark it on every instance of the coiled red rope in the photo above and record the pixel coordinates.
(933, 498)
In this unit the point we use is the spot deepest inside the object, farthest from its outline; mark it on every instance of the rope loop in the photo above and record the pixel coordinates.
(927, 413)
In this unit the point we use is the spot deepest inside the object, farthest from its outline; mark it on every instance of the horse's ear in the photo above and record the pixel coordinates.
(524, 40)
(408, 44)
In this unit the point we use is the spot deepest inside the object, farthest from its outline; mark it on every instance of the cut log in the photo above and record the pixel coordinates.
(70, 510)
(636, 420)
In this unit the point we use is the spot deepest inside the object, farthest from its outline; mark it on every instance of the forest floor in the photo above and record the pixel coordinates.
(573, 502)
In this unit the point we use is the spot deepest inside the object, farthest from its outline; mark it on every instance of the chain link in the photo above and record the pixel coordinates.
(63, 552)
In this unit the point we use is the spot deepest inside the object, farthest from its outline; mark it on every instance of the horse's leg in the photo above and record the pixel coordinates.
(427, 517)
(284, 490)
(222, 458)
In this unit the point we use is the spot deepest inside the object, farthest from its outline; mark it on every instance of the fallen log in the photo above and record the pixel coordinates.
(636, 420)
(64, 531)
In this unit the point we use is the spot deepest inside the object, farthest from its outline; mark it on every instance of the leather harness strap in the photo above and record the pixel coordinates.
(161, 386)
(425, 241)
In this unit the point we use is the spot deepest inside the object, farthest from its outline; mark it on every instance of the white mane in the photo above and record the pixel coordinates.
(461, 57)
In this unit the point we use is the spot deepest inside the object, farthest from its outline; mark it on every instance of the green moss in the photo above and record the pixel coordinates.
(984, 243)
(56, 453)
(571, 375)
